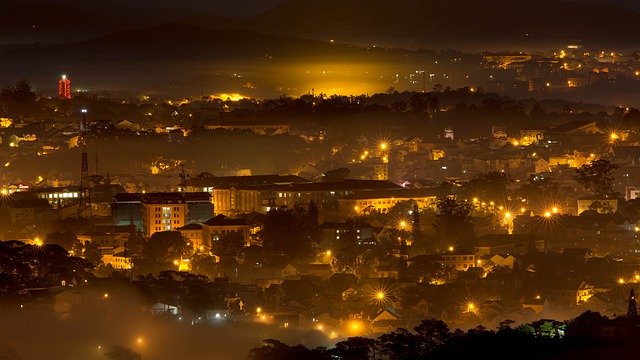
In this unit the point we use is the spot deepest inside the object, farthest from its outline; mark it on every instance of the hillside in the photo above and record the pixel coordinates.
(425, 23)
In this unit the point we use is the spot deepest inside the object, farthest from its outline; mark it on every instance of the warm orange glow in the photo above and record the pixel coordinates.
(547, 214)
(380, 295)
(620, 281)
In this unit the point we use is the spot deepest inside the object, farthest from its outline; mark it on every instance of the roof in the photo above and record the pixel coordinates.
(572, 126)
(193, 226)
(344, 225)
(231, 181)
(162, 197)
(221, 220)
(398, 192)
(505, 239)
(348, 184)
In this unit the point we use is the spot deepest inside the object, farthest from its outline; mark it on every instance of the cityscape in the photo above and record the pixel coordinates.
(284, 179)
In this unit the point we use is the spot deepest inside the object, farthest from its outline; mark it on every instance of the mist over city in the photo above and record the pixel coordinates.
(287, 179)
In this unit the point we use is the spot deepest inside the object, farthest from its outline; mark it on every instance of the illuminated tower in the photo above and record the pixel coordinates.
(64, 88)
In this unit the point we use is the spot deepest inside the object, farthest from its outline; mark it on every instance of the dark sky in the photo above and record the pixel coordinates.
(217, 7)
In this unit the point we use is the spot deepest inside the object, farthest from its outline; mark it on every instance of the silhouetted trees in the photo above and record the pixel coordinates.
(453, 224)
(597, 178)
(291, 232)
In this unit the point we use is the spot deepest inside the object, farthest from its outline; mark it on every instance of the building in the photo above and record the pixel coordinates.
(332, 232)
(366, 201)
(64, 88)
(129, 209)
(239, 199)
(460, 260)
(194, 234)
(503, 244)
(219, 226)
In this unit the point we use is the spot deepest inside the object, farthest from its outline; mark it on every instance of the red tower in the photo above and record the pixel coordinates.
(64, 88)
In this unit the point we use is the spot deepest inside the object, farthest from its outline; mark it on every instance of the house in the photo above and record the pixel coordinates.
(503, 260)
(537, 303)
(460, 260)
(515, 244)
(569, 293)
(384, 320)
(194, 234)
(219, 226)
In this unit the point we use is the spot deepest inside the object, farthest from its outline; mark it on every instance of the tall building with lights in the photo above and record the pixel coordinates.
(64, 87)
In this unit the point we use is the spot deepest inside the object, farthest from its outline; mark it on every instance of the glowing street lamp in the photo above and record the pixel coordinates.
(547, 214)
(380, 295)
(383, 146)
(554, 210)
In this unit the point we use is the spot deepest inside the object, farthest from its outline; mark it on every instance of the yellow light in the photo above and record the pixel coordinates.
(637, 73)
(328, 252)
(516, 143)
(450, 248)
(538, 297)
(637, 277)
(475, 200)
(620, 281)
(356, 208)
(403, 224)
(523, 209)
(383, 146)
(380, 295)
(500, 207)
(554, 210)
(139, 340)
(258, 310)
(38, 242)
(613, 136)
(4, 191)
(637, 228)
(547, 214)
(320, 327)
(507, 215)
(105, 296)
(491, 203)
(176, 262)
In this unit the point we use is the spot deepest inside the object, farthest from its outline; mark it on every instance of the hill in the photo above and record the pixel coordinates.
(429, 23)
(30, 21)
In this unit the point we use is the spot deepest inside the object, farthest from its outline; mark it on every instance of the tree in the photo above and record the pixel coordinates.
(118, 352)
(162, 249)
(453, 223)
(416, 229)
(490, 186)
(432, 333)
(231, 244)
(289, 232)
(632, 310)
(92, 252)
(66, 239)
(400, 344)
(597, 178)
(354, 348)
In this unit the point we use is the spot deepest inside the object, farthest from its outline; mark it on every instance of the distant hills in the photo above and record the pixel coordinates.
(28, 21)
(431, 24)
(424, 23)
